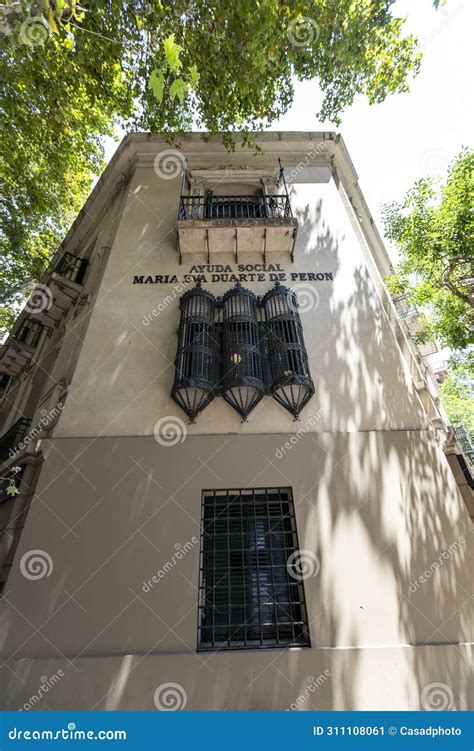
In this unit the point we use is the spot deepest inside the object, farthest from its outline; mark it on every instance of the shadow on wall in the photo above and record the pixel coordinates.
(391, 490)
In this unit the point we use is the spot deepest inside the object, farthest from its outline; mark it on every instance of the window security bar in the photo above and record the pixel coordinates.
(13, 437)
(72, 267)
(241, 347)
(250, 594)
(29, 333)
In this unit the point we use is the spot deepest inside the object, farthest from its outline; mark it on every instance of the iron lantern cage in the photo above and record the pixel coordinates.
(243, 383)
(195, 369)
(291, 383)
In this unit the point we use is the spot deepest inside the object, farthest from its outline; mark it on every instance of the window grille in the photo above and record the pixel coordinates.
(291, 383)
(248, 594)
(13, 437)
(29, 333)
(234, 207)
(243, 384)
(72, 267)
(195, 364)
(241, 347)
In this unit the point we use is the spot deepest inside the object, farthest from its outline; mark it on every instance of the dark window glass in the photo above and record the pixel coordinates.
(247, 595)
(234, 207)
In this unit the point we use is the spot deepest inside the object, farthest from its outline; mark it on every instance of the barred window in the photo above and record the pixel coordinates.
(241, 347)
(249, 595)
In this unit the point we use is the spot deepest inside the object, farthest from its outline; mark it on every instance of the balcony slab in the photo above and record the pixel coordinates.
(207, 238)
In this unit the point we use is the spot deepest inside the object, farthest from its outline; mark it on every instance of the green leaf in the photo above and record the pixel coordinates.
(68, 41)
(178, 89)
(12, 489)
(157, 83)
(172, 53)
(193, 75)
(52, 22)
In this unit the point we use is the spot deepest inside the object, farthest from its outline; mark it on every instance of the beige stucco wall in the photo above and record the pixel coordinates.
(125, 370)
(371, 679)
(377, 508)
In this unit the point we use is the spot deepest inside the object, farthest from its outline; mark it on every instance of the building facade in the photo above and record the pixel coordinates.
(233, 492)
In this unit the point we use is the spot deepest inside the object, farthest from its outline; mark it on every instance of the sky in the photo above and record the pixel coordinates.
(409, 135)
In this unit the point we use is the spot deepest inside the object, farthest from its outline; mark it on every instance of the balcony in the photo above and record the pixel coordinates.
(47, 305)
(15, 435)
(52, 301)
(71, 268)
(415, 323)
(459, 452)
(465, 444)
(19, 348)
(211, 225)
(404, 311)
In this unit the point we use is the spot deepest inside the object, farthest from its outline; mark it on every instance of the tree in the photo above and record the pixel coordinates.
(457, 395)
(71, 72)
(433, 232)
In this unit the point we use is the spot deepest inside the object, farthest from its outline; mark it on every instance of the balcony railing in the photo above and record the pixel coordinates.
(235, 207)
(29, 333)
(71, 267)
(404, 310)
(464, 440)
(13, 437)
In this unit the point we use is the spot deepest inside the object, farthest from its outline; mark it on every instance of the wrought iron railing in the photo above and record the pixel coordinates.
(404, 310)
(13, 437)
(235, 207)
(29, 333)
(72, 267)
(464, 440)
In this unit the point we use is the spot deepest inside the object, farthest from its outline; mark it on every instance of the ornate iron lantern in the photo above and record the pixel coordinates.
(195, 363)
(291, 384)
(243, 382)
